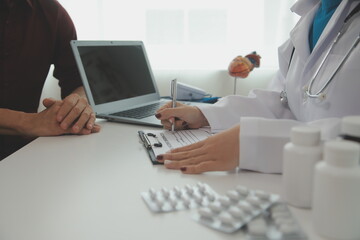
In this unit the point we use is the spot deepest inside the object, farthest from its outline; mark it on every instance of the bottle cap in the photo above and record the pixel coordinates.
(351, 126)
(305, 136)
(342, 153)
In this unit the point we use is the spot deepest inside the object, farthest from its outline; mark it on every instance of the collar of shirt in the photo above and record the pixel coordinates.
(302, 7)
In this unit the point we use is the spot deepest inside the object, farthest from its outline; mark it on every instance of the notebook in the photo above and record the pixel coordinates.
(118, 80)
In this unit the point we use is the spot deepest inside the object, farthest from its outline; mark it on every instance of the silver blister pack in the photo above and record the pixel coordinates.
(238, 207)
(276, 224)
(175, 199)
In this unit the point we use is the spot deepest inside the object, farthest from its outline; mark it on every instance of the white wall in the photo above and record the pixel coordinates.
(189, 34)
(50, 89)
(194, 40)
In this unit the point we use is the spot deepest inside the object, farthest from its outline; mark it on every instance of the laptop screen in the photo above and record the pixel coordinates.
(116, 72)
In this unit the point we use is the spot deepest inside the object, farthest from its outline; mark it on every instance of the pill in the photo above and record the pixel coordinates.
(201, 193)
(243, 191)
(225, 201)
(201, 187)
(210, 196)
(246, 207)
(254, 201)
(233, 195)
(173, 202)
(165, 192)
(226, 219)
(198, 199)
(237, 213)
(205, 212)
(177, 191)
(183, 197)
(152, 193)
(189, 190)
(262, 195)
(186, 202)
(159, 202)
(215, 207)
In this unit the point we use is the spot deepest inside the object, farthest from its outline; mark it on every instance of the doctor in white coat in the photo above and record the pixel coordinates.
(313, 86)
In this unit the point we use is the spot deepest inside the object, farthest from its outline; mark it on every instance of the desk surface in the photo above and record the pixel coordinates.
(88, 187)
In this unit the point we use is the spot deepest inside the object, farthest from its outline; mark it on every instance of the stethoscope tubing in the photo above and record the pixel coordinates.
(318, 93)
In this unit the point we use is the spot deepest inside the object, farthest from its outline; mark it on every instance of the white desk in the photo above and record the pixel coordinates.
(88, 187)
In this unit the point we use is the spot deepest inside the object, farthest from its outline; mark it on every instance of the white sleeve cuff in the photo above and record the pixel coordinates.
(261, 143)
(262, 140)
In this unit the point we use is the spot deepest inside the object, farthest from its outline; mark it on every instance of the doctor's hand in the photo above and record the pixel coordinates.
(184, 116)
(75, 114)
(219, 152)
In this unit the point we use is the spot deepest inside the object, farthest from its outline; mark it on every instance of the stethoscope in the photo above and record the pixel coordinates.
(320, 94)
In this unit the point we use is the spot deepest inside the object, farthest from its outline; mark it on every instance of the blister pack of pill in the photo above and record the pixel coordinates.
(175, 199)
(277, 224)
(232, 211)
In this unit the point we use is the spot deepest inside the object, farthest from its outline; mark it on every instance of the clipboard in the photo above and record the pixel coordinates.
(147, 144)
(161, 141)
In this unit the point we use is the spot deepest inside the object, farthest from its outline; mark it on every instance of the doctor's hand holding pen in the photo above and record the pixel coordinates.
(184, 116)
(219, 152)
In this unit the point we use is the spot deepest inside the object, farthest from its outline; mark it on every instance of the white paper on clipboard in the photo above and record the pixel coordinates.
(170, 140)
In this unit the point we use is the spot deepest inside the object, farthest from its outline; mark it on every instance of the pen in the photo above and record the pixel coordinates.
(173, 96)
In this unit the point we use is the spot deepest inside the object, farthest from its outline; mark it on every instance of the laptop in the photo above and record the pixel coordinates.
(118, 80)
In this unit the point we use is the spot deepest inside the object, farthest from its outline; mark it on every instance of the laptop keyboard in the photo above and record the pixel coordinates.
(140, 112)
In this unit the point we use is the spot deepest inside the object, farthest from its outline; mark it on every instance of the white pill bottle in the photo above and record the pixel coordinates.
(336, 198)
(299, 159)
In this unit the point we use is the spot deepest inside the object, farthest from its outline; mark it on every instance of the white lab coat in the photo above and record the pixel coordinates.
(265, 123)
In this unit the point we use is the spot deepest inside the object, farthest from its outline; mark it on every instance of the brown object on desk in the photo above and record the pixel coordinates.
(242, 66)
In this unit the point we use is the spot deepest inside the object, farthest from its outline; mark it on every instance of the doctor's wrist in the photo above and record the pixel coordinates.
(202, 119)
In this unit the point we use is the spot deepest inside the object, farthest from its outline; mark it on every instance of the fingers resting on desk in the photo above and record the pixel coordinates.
(75, 115)
(216, 153)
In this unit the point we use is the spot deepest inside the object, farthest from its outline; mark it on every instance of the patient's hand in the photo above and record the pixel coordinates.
(43, 123)
(75, 115)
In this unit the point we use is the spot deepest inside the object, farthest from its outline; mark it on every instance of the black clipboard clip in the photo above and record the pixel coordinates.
(149, 147)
